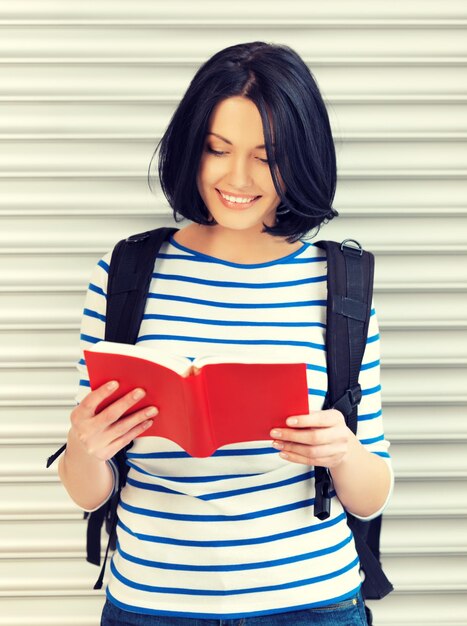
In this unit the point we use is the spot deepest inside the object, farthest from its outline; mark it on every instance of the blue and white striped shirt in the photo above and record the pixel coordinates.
(232, 535)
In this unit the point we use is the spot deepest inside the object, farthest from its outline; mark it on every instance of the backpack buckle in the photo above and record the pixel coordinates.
(347, 403)
(351, 249)
(354, 395)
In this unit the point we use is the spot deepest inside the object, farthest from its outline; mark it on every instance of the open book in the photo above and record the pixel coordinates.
(206, 403)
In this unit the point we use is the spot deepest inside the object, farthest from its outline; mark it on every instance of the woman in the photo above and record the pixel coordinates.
(249, 159)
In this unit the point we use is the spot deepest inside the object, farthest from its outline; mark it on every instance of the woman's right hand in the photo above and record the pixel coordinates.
(103, 434)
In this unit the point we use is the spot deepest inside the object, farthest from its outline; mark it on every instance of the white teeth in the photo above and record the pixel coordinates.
(239, 200)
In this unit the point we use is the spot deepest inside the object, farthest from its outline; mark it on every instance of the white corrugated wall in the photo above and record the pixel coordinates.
(86, 89)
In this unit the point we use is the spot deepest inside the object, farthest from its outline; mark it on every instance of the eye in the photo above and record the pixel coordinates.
(217, 152)
(220, 153)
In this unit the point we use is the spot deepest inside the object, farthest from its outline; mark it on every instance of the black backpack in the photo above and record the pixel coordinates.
(350, 272)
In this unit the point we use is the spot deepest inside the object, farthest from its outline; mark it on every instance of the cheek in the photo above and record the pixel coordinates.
(269, 185)
(210, 171)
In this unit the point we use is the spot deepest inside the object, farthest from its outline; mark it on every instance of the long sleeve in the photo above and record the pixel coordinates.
(370, 428)
(93, 330)
(93, 320)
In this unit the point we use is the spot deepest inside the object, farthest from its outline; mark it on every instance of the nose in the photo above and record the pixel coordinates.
(239, 176)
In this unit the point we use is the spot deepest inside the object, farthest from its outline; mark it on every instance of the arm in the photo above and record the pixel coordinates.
(88, 481)
(367, 465)
(363, 481)
(359, 464)
(85, 469)
(92, 441)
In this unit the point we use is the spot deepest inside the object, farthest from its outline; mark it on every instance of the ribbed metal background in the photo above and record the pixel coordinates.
(86, 89)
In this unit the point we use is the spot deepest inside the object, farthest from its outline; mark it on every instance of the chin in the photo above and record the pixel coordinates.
(243, 222)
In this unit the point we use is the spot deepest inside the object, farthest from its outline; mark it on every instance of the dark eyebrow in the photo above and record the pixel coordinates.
(230, 143)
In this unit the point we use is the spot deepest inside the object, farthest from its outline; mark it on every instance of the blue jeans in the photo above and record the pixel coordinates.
(347, 613)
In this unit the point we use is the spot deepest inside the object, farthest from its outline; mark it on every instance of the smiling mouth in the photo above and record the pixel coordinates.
(237, 201)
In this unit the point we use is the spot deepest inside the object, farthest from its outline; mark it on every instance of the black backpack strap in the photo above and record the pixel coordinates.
(53, 457)
(350, 292)
(127, 289)
(350, 273)
(367, 535)
(130, 273)
(128, 282)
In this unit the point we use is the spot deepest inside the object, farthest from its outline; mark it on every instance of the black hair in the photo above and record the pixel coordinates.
(292, 110)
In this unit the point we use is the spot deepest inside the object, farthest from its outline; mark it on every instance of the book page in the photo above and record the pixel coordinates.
(234, 357)
(181, 364)
(176, 363)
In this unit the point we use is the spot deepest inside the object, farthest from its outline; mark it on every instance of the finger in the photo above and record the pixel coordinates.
(125, 424)
(312, 453)
(120, 442)
(116, 409)
(326, 455)
(97, 423)
(318, 461)
(308, 436)
(89, 403)
(316, 419)
(98, 442)
(295, 458)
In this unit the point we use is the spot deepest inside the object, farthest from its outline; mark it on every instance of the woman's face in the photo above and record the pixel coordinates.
(234, 164)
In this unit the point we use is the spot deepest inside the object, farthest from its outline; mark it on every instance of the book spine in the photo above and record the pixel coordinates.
(202, 441)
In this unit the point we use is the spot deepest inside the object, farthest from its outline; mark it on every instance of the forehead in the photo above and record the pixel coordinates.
(238, 121)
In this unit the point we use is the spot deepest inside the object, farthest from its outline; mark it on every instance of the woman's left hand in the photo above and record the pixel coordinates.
(320, 438)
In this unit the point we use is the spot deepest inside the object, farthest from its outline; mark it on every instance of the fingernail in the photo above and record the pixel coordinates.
(139, 393)
(276, 433)
(147, 424)
(278, 444)
(151, 411)
(112, 385)
(292, 421)
(284, 455)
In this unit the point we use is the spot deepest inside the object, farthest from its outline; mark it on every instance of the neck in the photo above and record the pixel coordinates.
(239, 246)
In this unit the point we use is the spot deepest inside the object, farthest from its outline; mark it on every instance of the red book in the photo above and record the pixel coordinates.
(206, 403)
